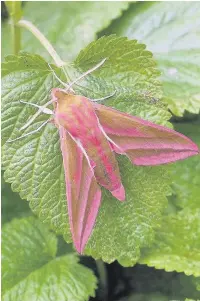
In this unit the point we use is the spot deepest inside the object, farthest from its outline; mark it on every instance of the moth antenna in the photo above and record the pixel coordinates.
(42, 109)
(58, 79)
(30, 133)
(106, 97)
(86, 73)
(65, 73)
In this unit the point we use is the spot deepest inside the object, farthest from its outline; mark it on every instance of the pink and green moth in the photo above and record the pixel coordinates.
(90, 136)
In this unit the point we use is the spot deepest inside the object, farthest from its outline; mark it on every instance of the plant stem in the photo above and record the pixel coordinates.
(102, 278)
(15, 12)
(16, 37)
(35, 31)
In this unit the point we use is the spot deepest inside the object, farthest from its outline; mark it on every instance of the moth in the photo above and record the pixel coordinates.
(90, 136)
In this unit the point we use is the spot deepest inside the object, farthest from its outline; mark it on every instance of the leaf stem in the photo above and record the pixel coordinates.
(47, 45)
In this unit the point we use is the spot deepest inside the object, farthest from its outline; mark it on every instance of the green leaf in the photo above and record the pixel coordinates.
(177, 244)
(186, 174)
(34, 164)
(69, 26)
(27, 245)
(171, 30)
(31, 270)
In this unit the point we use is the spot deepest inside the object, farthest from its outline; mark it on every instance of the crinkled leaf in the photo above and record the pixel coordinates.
(31, 270)
(68, 25)
(171, 30)
(177, 244)
(26, 246)
(34, 164)
(186, 174)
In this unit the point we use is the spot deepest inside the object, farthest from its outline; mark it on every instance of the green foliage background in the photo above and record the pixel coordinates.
(155, 77)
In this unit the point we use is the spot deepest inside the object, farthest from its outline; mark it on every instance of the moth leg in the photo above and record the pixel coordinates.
(66, 74)
(103, 98)
(32, 132)
(42, 109)
(86, 73)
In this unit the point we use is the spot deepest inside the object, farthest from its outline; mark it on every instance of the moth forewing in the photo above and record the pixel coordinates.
(144, 142)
